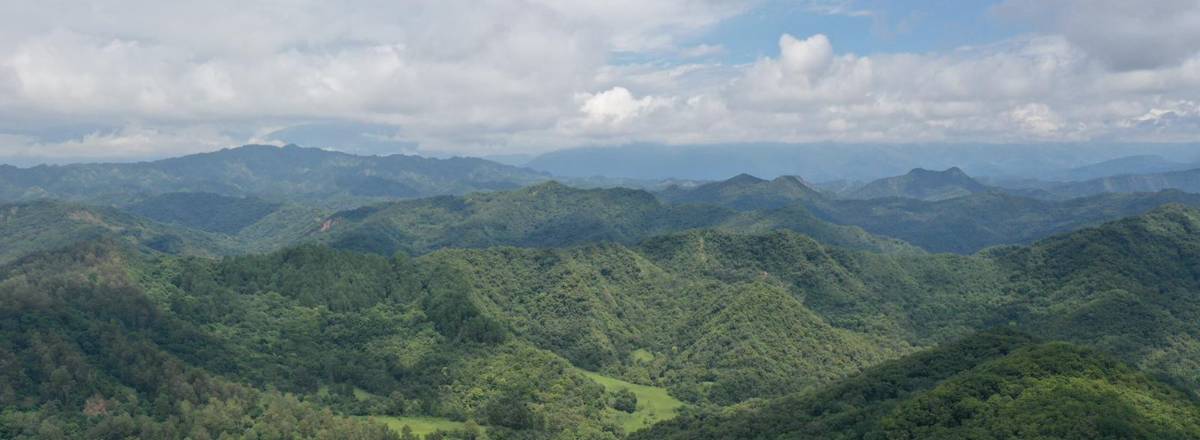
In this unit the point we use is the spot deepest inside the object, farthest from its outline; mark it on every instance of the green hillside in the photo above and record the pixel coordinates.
(204, 211)
(997, 384)
(37, 226)
(729, 323)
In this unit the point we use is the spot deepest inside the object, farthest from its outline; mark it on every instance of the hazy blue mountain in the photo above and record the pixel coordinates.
(921, 184)
(821, 162)
(1187, 180)
(963, 224)
(275, 174)
(1140, 164)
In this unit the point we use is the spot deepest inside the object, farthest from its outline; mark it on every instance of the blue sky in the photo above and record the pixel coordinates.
(862, 27)
(133, 79)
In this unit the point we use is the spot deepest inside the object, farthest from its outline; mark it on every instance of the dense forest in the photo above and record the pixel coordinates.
(104, 341)
(745, 308)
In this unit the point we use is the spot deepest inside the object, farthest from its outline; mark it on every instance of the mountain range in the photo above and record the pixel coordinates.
(244, 301)
(289, 173)
(518, 341)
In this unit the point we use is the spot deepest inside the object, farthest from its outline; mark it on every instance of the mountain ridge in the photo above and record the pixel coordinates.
(290, 173)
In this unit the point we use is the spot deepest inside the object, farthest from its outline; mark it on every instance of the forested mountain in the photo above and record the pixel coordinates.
(997, 384)
(745, 193)
(963, 224)
(969, 224)
(31, 227)
(204, 211)
(100, 341)
(552, 312)
(552, 214)
(276, 174)
(921, 184)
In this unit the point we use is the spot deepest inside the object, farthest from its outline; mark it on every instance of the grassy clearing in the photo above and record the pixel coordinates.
(641, 355)
(419, 425)
(654, 404)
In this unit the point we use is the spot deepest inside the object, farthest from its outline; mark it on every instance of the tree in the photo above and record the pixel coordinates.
(625, 400)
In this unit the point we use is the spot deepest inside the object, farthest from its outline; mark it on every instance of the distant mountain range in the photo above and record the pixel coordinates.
(289, 173)
(299, 293)
(918, 207)
(1186, 180)
(826, 162)
(1138, 164)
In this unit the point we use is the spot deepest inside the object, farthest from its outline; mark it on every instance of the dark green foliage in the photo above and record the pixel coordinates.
(204, 211)
(625, 400)
(997, 384)
(83, 354)
(497, 335)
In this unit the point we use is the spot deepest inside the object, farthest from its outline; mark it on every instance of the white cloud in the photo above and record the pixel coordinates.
(702, 50)
(1126, 35)
(126, 143)
(501, 76)
(614, 106)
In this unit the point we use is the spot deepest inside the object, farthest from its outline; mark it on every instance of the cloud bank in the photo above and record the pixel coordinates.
(136, 78)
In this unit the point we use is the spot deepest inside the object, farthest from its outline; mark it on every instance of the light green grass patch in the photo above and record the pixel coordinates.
(653, 403)
(419, 425)
(642, 355)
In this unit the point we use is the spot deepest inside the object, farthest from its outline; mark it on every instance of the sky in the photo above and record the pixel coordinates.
(135, 79)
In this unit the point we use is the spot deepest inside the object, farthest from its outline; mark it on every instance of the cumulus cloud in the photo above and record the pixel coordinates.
(1027, 89)
(1126, 35)
(503, 76)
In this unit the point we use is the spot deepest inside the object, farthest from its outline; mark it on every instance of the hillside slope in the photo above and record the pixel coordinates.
(31, 227)
(997, 384)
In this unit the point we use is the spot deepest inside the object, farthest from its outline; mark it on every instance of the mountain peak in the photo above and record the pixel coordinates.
(952, 171)
(744, 179)
(921, 183)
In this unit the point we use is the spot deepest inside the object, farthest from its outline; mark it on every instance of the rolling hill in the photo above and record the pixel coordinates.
(39, 226)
